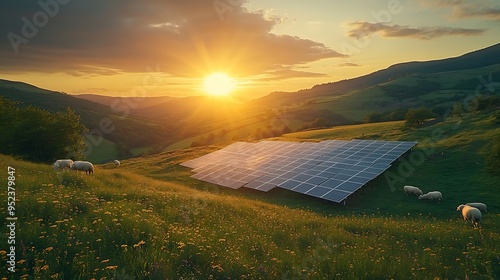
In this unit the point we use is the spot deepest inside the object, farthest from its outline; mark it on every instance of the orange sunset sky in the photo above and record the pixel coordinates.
(170, 47)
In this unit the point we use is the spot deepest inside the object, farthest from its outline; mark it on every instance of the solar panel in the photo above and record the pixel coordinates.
(331, 169)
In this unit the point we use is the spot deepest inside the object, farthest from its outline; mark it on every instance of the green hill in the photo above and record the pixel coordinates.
(148, 219)
(472, 60)
(128, 131)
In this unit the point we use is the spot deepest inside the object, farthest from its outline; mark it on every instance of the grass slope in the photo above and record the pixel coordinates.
(148, 220)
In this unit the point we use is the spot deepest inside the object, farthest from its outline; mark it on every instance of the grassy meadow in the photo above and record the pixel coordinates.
(147, 219)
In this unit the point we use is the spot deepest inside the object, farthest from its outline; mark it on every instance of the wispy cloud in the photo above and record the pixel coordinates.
(461, 9)
(187, 38)
(361, 29)
(348, 64)
(287, 73)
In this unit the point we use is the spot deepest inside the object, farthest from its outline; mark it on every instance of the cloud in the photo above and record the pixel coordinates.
(461, 9)
(348, 64)
(187, 38)
(361, 29)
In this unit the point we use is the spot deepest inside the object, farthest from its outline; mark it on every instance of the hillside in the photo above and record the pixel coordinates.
(434, 91)
(128, 131)
(148, 219)
(475, 59)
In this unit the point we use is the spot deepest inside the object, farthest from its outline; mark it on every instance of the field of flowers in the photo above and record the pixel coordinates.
(118, 224)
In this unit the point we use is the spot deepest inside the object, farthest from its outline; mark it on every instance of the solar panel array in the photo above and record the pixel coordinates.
(331, 169)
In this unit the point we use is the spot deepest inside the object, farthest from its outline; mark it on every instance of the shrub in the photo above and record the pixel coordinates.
(416, 117)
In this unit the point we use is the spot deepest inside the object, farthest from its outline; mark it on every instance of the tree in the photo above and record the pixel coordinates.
(38, 135)
(319, 122)
(458, 109)
(416, 117)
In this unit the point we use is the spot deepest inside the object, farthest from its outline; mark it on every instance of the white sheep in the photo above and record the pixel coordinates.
(116, 162)
(85, 166)
(481, 206)
(412, 190)
(62, 164)
(435, 195)
(470, 213)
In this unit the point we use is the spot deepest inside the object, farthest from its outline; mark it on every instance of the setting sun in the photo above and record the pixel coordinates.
(218, 84)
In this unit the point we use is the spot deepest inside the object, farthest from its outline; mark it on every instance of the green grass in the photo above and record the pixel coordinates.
(385, 130)
(140, 151)
(147, 219)
(245, 131)
(105, 151)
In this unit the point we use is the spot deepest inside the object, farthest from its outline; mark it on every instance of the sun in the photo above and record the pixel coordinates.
(218, 84)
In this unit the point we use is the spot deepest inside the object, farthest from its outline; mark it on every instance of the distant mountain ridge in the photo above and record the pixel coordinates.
(140, 102)
(51, 100)
(475, 59)
(129, 132)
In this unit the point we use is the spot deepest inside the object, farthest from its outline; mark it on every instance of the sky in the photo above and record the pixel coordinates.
(168, 47)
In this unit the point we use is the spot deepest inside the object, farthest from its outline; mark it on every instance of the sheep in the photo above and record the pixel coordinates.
(481, 206)
(412, 190)
(62, 164)
(435, 195)
(470, 213)
(85, 166)
(116, 162)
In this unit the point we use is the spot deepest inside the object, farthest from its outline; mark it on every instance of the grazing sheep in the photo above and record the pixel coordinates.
(470, 213)
(435, 195)
(481, 206)
(116, 162)
(412, 190)
(85, 166)
(62, 164)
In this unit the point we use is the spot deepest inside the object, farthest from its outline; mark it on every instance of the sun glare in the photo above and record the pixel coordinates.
(218, 84)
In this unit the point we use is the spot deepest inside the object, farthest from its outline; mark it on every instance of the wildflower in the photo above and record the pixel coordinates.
(142, 242)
